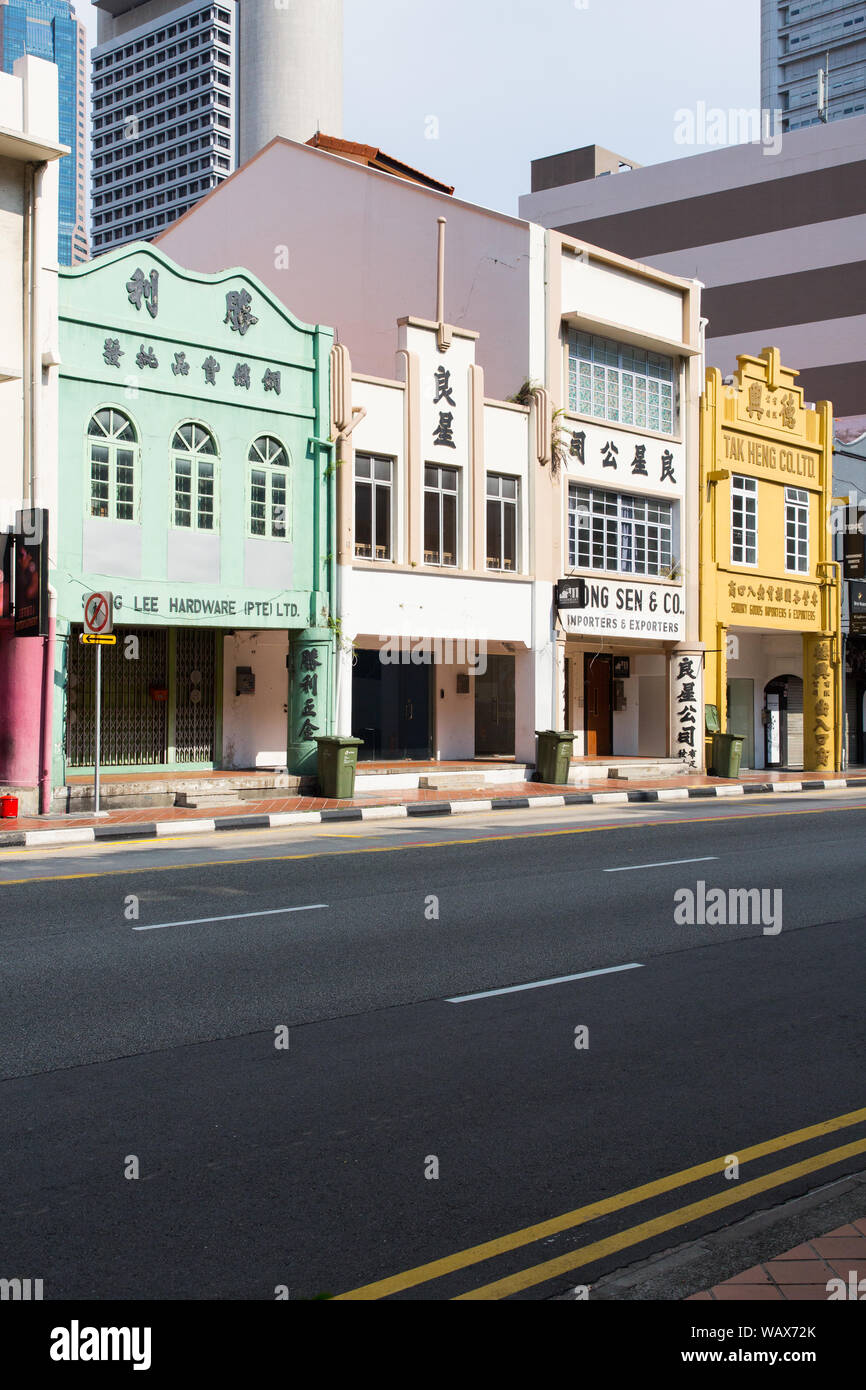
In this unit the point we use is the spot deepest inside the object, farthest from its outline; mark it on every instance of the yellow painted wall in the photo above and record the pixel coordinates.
(758, 427)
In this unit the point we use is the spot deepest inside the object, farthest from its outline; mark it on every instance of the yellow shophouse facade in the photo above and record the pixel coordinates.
(770, 590)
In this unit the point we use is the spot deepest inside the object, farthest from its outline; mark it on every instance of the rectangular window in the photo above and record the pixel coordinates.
(796, 530)
(620, 383)
(619, 532)
(374, 479)
(502, 499)
(112, 497)
(744, 520)
(440, 515)
(268, 494)
(194, 494)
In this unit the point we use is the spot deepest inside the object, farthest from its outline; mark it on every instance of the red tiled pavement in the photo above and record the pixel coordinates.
(383, 797)
(801, 1273)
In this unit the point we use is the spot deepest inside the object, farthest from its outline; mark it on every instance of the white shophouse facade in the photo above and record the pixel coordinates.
(447, 647)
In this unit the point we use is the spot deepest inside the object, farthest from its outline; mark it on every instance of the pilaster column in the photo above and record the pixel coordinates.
(820, 674)
(686, 738)
(311, 687)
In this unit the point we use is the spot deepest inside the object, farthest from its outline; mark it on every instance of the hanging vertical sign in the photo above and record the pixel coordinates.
(30, 570)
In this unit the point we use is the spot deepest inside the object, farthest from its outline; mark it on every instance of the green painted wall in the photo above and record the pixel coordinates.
(119, 315)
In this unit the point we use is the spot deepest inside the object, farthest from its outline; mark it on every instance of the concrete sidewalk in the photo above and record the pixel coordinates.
(277, 812)
(829, 1267)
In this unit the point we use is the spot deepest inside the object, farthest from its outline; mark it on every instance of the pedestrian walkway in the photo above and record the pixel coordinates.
(829, 1267)
(277, 811)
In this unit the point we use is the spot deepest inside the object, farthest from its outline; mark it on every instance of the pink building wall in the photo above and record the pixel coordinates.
(348, 246)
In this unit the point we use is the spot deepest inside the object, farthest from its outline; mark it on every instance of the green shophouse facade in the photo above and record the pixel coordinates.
(193, 487)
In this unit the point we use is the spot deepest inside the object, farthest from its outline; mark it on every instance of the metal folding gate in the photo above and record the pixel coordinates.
(158, 703)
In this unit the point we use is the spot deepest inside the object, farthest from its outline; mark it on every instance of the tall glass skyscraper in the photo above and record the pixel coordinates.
(49, 29)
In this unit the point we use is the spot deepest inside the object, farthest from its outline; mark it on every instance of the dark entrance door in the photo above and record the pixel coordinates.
(390, 708)
(598, 705)
(494, 708)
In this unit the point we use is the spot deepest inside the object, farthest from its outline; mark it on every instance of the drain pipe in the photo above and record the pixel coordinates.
(34, 479)
(46, 736)
(359, 413)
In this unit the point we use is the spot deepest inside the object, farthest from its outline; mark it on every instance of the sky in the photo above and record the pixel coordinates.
(471, 91)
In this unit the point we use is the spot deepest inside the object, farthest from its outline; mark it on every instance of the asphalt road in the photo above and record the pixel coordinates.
(144, 989)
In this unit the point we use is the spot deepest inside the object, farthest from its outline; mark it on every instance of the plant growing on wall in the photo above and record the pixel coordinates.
(526, 396)
(558, 441)
(336, 626)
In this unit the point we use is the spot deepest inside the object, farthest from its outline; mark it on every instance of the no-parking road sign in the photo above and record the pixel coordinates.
(99, 614)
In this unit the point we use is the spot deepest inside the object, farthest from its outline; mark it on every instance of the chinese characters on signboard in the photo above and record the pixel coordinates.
(444, 431)
(308, 679)
(143, 293)
(821, 677)
(610, 458)
(686, 729)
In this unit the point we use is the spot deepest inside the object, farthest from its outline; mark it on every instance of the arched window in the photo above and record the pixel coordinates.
(269, 489)
(194, 462)
(113, 458)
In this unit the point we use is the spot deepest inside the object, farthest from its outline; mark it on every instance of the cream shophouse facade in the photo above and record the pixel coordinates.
(447, 650)
(624, 354)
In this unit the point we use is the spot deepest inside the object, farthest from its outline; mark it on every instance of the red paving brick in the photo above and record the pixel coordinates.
(756, 1275)
(802, 1273)
(742, 1293)
(841, 1248)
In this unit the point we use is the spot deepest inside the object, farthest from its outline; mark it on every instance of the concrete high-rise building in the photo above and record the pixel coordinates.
(797, 38)
(49, 29)
(290, 72)
(164, 113)
(183, 93)
(775, 232)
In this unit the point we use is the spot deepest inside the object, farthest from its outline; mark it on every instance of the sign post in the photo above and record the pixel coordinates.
(98, 632)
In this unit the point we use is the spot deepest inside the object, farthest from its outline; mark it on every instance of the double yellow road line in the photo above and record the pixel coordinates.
(734, 1191)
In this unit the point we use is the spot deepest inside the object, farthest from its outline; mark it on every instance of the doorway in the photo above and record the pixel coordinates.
(391, 708)
(159, 710)
(494, 709)
(598, 704)
(741, 716)
(783, 722)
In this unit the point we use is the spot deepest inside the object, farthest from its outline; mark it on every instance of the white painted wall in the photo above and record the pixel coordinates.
(28, 104)
(436, 605)
(255, 727)
(454, 715)
(602, 292)
(762, 657)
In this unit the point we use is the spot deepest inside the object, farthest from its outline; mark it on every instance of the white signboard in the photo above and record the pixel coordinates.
(629, 608)
(624, 460)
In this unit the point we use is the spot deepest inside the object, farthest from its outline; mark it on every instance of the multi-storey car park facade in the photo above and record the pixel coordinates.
(164, 113)
(797, 38)
(49, 29)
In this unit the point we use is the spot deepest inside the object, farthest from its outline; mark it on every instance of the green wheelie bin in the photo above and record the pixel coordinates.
(554, 756)
(727, 752)
(337, 761)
